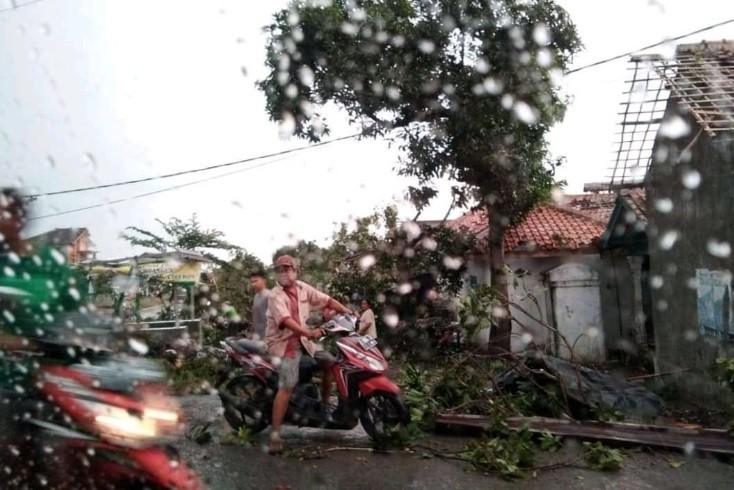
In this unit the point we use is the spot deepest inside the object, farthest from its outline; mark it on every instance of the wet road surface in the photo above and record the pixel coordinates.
(321, 459)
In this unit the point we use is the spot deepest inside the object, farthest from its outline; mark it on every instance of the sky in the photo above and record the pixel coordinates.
(98, 91)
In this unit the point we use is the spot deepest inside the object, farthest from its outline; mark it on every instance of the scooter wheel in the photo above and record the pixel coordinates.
(246, 403)
(383, 415)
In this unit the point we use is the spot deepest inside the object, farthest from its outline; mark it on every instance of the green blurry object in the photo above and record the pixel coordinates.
(36, 288)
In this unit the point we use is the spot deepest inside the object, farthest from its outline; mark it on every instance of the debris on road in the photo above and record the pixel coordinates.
(200, 433)
(708, 440)
(586, 387)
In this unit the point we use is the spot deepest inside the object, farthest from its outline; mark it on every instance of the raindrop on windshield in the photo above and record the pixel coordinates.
(426, 46)
(668, 239)
(391, 319)
(674, 127)
(138, 346)
(412, 229)
(718, 248)
(541, 35)
(452, 263)
(525, 113)
(664, 205)
(367, 262)
(691, 179)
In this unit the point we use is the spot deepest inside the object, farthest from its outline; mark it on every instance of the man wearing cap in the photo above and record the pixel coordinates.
(287, 335)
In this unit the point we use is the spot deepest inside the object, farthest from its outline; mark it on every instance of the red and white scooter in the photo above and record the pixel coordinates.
(89, 418)
(366, 394)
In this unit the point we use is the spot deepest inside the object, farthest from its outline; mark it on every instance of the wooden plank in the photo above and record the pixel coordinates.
(709, 440)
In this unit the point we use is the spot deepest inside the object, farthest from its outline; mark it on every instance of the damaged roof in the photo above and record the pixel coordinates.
(702, 78)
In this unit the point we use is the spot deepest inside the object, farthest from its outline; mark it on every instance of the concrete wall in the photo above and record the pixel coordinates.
(530, 290)
(680, 240)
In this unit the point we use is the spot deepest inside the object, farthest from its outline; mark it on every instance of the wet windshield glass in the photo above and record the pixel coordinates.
(462, 241)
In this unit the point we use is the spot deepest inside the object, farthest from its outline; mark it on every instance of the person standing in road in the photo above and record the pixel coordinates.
(367, 320)
(259, 284)
(289, 307)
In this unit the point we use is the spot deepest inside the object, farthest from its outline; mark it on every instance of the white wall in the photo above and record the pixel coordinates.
(530, 291)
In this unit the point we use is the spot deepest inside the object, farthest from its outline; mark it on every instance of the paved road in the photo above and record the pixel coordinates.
(312, 463)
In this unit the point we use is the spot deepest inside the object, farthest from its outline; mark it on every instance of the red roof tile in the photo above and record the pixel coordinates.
(597, 206)
(637, 202)
(547, 228)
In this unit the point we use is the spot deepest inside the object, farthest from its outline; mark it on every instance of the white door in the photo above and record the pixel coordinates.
(577, 312)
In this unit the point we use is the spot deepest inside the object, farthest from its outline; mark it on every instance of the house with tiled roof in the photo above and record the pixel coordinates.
(75, 243)
(559, 277)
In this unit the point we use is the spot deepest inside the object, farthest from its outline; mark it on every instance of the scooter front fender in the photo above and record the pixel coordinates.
(378, 383)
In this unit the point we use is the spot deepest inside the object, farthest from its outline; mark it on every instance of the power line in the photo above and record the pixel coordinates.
(191, 171)
(630, 53)
(151, 193)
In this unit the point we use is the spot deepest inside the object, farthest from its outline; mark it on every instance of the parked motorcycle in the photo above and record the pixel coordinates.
(78, 415)
(365, 393)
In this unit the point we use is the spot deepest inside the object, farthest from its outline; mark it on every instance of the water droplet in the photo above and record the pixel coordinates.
(718, 248)
(526, 338)
(306, 76)
(391, 319)
(689, 448)
(525, 113)
(138, 346)
(412, 229)
(452, 263)
(541, 35)
(74, 293)
(404, 288)
(349, 29)
(668, 239)
(492, 86)
(291, 91)
(8, 271)
(426, 46)
(429, 244)
(9, 316)
(545, 58)
(656, 282)
(57, 256)
(45, 29)
(592, 332)
(243, 70)
(674, 127)
(690, 335)
(287, 126)
(507, 101)
(367, 261)
(664, 205)
(691, 179)
(393, 93)
(50, 162)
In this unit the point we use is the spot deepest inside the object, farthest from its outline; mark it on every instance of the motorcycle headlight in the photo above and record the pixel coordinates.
(133, 427)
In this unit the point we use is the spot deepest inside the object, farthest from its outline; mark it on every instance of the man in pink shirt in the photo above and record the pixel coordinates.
(287, 335)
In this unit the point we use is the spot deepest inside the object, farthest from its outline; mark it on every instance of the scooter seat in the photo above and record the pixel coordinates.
(247, 346)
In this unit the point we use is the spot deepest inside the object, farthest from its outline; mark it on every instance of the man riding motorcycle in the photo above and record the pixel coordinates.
(287, 335)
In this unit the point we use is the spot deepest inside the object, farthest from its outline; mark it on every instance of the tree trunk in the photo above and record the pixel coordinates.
(499, 339)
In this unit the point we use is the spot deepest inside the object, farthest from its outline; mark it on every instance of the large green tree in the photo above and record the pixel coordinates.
(181, 234)
(466, 86)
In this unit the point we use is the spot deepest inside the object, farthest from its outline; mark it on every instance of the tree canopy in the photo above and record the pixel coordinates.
(469, 88)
